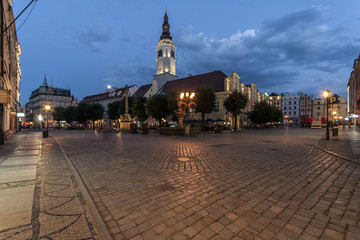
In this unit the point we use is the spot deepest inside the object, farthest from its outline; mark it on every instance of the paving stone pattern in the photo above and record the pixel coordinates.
(277, 184)
(57, 208)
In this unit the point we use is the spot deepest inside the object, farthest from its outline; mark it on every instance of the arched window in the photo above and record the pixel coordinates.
(160, 53)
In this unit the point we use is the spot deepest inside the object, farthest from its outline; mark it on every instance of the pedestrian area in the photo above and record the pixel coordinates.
(38, 194)
(262, 184)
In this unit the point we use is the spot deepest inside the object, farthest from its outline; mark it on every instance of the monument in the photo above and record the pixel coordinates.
(126, 120)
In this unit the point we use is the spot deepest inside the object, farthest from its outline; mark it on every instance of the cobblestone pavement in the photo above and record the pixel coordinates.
(266, 184)
(56, 207)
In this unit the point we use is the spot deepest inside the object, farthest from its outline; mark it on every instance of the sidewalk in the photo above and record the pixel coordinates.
(345, 146)
(39, 197)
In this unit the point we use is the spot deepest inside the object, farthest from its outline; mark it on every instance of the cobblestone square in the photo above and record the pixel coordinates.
(267, 184)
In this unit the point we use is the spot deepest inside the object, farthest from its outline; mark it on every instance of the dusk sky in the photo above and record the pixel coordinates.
(280, 45)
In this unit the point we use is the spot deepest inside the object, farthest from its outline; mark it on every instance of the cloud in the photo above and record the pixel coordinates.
(277, 54)
(93, 39)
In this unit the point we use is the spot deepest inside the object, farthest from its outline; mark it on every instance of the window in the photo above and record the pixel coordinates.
(289, 108)
(285, 108)
(294, 113)
(284, 113)
(172, 54)
(277, 103)
(294, 107)
(160, 53)
(318, 108)
(289, 103)
(294, 102)
(216, 106)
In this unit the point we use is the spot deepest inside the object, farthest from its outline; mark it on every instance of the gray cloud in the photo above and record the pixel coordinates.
(278, 53)
(93, 39)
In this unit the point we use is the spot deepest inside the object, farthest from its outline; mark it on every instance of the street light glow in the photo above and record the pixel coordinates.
(327, 93)
(40, 118)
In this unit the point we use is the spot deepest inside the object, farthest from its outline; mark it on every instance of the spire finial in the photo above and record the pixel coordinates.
(166, 28)
(45, 81)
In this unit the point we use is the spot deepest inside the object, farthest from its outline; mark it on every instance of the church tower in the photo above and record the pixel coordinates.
(165, 57)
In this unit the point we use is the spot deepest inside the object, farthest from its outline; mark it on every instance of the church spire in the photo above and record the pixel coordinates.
(45, 81)
(166, 28)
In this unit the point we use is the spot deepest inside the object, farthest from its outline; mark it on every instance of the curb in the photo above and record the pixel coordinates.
(99, 223)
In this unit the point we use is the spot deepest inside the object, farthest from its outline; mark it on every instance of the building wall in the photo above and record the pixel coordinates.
(290, 108)
(319, 109)
(10, 72)
(353, 88)
(43, 96)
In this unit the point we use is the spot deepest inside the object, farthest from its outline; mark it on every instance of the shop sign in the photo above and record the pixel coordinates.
(4, 96)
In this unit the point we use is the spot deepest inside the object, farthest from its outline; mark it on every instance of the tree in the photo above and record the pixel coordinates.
(81, 112)
(205, 100)
(94, 112)
(58, 114)
(139, 109)
(263, 113)
(114, 110)
(69, 114)
(235, 103)
(157, 107)
(173, 99)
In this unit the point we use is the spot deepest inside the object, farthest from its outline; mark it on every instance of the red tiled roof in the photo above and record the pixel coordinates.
(213, 79)
(142, 90)
(118, 93)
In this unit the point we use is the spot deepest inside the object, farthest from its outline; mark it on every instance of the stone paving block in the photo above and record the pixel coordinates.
(249, 194)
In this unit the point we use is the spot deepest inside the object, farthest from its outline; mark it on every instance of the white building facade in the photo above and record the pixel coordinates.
(290, 108)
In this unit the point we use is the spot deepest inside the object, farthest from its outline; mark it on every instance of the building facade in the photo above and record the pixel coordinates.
(10, 73)
(275, 101)
(353, 90)
(306, 105)
(109, 96)
(290, 108)
(337, 108)
(45, 95)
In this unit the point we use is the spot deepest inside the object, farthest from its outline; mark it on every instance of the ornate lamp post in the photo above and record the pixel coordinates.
(186, 100)
(327, 97)
(46, 133)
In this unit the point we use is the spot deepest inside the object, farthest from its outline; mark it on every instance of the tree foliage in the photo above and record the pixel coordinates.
(235, 103)
(81, 112)
(205, 100)
(263, 113)
(69, 114)
(94, 112)
(114, 110)
(173, 99)
(58, 113)
(139, 109)
(157, 107)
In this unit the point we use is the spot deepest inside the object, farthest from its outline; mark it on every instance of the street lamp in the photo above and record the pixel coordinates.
(327, 97)
(186, 101)
(46, 133)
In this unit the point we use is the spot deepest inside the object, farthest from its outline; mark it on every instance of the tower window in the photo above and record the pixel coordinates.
(160, 53)
(172, 54)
